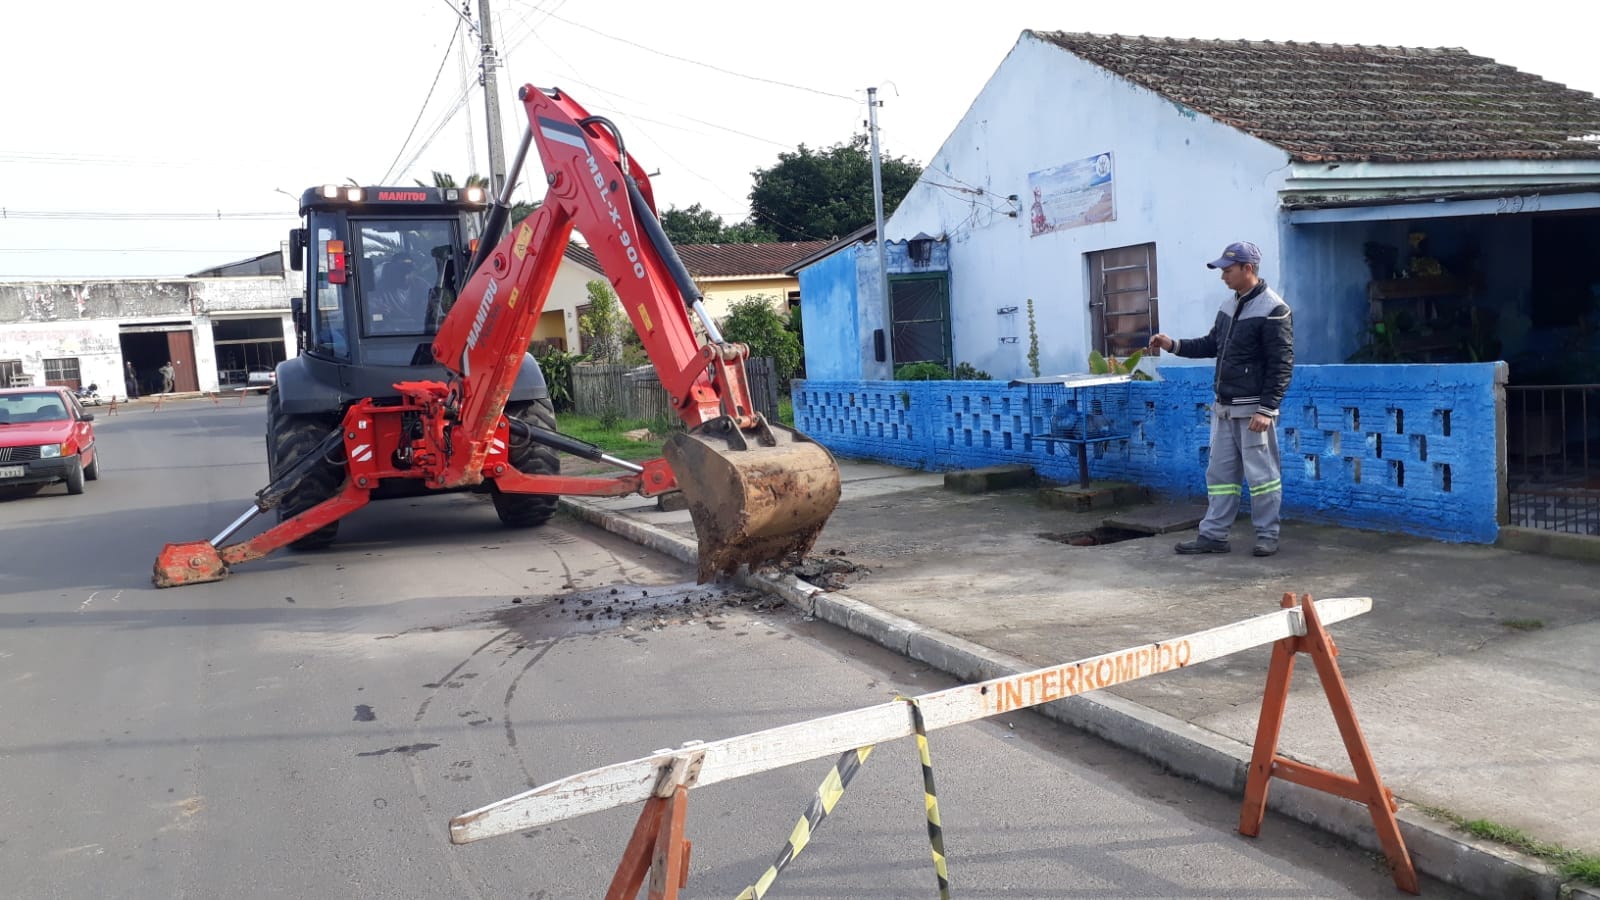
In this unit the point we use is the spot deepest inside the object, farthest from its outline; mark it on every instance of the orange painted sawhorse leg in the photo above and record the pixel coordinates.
(658, 850)
(1265, 764)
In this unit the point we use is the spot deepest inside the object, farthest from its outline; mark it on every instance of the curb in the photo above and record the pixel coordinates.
(1479, 867)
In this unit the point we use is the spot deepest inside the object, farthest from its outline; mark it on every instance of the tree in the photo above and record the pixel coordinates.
(694, 225)
(603, 323)
(753, 321)
(698, 225)
(819, 195)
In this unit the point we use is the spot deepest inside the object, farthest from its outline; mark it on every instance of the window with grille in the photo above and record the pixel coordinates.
(1122, 298)
(62, 372)
(921, 319)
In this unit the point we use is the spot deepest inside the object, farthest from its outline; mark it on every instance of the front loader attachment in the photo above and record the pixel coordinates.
(754, 497)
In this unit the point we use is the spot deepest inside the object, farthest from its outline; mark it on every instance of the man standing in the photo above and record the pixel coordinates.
(168, 375)
(1253, 342)
(131, 379)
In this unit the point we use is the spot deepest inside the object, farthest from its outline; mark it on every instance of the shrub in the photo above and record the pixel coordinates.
(968, 372)
(922, 371)
(557, 367)
(753, 321)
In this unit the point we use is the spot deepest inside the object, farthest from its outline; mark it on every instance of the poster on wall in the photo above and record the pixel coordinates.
(1067, 196)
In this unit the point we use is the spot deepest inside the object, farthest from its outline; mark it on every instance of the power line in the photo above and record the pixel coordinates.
(462, 15)
(107, 215)
(446, 58)
(696, 62)
(202, 250)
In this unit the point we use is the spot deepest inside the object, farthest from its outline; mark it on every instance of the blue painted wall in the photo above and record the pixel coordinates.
(1409, 448)
(841, 302)
(829, 315)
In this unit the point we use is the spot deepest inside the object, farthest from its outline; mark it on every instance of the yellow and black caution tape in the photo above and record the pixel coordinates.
(930, 800)
(823, 803)
(828, 797)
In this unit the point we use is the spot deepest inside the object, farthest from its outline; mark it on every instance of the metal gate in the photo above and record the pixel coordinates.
(1553, 457)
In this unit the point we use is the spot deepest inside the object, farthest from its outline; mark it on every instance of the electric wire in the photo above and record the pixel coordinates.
(696, 62)
(456, 32)
(127, 216)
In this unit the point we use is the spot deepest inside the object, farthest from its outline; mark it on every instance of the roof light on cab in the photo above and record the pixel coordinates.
(354, 194)
(330, 191)
(474, 195)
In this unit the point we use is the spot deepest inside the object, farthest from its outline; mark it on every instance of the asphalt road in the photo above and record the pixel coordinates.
(308, 727)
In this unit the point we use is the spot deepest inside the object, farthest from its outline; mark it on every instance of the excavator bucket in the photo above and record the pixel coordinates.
(755, 497)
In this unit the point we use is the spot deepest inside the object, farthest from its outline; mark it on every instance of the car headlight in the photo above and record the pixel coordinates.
(49, 451)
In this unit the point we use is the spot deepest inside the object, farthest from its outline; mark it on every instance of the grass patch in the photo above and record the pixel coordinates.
(1524, 624)
(1573, 864)
(786, 411)
(610, 437)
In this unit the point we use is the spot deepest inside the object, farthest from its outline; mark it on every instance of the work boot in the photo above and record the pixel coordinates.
(1265, 546)
(1203, 544)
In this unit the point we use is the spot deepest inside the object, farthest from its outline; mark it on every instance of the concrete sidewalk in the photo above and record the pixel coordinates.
(1476, 677)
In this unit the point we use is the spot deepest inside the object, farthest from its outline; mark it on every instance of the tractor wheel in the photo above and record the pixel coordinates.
(288, 439)
(530, 458)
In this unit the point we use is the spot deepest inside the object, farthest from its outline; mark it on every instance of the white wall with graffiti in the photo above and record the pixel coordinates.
(83, 332)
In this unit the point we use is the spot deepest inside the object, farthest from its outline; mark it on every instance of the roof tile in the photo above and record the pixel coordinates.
(1336, 102)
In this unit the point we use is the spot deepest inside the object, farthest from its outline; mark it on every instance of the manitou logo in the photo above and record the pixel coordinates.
(616, 218)
(482, 316)
(417, 196)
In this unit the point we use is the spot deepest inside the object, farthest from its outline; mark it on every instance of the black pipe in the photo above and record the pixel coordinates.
(663, 246)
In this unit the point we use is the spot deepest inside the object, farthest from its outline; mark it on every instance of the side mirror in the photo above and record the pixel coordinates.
(88, 417)
(297, 313)
(297, 249)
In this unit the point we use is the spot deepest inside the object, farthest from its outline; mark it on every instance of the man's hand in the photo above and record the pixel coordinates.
(1260, 422)
(1161, 342)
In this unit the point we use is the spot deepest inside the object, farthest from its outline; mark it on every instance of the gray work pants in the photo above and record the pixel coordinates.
(1241, 457)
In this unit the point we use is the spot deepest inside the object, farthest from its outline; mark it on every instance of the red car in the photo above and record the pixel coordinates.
(45, 436)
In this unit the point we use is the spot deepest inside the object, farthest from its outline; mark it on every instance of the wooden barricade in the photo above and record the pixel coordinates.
(659, 849)
(1265, 763)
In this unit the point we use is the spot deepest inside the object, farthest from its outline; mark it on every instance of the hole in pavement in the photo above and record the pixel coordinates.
(1094, 537)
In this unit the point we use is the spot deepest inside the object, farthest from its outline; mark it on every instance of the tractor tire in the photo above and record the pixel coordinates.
(530, 458)
(288, 439)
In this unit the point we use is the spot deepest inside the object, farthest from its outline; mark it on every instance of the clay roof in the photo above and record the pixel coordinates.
(1335, 102)
(580, 253)
(732, 260)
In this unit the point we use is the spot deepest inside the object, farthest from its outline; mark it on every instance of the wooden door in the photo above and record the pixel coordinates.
(180, 349)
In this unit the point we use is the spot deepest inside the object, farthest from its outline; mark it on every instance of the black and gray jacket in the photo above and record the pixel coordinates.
(1253, 342)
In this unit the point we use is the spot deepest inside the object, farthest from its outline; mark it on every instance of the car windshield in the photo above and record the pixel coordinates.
(32, 406)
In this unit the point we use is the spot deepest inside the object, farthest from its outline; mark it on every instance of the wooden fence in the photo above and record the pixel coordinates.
(635, 392)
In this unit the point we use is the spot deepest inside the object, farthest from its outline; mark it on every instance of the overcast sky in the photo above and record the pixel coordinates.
(191, 122)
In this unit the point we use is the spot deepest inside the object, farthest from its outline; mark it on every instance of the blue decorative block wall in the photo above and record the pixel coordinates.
(1408, 448)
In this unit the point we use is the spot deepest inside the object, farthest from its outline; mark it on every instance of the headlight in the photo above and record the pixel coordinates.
(50, 451)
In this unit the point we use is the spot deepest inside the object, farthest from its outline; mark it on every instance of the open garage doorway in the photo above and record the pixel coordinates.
(148, 347)
(246, 345)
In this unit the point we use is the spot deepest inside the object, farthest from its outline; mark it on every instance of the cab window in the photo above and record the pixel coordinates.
(402, 271)
(328, 334)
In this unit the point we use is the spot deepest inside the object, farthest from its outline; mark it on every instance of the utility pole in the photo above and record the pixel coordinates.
(491, 101)
(877, 216)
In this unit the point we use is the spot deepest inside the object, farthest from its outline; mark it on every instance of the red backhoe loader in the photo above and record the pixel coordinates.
(415, 379)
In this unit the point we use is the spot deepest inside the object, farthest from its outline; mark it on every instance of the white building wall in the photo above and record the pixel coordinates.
(92, 342)
(569, 291)
(1183, 181)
